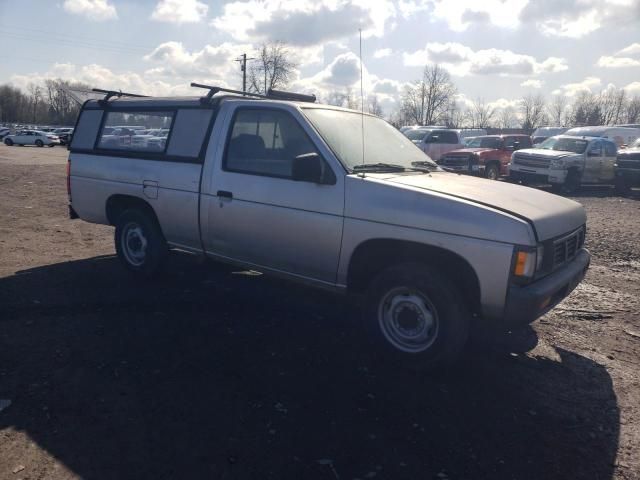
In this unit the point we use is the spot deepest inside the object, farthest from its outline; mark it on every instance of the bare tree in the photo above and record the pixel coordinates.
(632, 113)
(481, 114)
(612, 106)
(586, 110)
(374, 106)
(532, 110)
(454, 116)
(558, 110)
(426, 101)
(36, 97)
(507, 118)
(272, 69)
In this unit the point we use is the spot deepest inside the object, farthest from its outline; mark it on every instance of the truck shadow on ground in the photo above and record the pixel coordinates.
(208, 373)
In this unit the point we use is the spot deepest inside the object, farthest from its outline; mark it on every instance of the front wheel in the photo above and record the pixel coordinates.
(416, 316)
(572, 182)
(39, 143)
(492, 172)
(140, 244)
(622, 186)
(8, 142)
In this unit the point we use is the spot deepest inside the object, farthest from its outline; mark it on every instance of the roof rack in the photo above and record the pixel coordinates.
(271, 94)
(115, 93)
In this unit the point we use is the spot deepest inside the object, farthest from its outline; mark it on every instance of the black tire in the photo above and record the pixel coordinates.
(492, 172)
(572, 182)
(8, 142)
(39, 143)
(140, 244)
(51, 145)
(622, 186)
(436, 337)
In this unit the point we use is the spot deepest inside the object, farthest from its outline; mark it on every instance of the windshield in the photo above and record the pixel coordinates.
(416, 134)
(564, 144)
(484, 142)
(383, 144)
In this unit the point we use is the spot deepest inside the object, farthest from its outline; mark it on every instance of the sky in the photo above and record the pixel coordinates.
(495, 50)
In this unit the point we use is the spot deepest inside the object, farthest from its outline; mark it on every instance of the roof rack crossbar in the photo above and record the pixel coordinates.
(271, 94)
(213, 90)
(115, 93)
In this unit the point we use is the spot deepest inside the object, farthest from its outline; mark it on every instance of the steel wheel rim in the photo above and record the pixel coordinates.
(493, 174)
(134, 244)
(408, 320)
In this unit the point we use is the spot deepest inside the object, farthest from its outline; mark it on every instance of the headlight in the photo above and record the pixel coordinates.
(557, 163)
(526, 262)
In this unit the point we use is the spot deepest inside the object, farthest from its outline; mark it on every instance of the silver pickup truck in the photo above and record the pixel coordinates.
(331, 198)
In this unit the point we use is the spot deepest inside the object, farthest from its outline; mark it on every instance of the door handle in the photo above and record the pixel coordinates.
(224, 194)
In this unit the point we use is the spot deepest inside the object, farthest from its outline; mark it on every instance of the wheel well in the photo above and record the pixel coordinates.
(373, 256)
(116, 204)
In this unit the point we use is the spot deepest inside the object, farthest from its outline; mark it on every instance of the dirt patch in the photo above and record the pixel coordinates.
(207, 373)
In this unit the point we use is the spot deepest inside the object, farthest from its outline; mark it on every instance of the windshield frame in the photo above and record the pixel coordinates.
(555, 139)
(428, 164)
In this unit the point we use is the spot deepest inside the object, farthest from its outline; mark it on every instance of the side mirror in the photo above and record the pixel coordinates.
(307, 168)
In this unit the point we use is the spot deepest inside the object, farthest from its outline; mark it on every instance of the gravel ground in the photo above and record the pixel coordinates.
(213, 373)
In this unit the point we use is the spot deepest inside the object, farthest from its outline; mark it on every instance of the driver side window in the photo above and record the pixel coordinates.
(265, 142)
(595, 149)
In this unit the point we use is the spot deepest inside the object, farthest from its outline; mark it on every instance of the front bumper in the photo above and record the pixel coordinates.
(529, 302)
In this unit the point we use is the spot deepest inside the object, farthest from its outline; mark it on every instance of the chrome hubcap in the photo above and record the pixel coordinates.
(408, 320)
(134, 244)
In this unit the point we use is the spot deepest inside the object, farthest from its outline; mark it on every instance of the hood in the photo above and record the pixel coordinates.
(545, 153)
(470, 150)
(550, 215)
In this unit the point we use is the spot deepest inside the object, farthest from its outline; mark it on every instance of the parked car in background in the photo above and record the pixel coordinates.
(435, 142)
(628, 168)
(622, 136)
(32, 137)
(4, 131)
(566, 162)
(337, 199)
(540, 134)
(486, 156)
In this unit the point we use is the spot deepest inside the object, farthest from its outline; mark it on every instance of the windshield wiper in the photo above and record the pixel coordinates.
(425, 165)
(385, 167)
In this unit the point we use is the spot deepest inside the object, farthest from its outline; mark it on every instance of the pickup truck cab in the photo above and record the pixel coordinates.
(283, 186)
(487, 156)
(628, 168)
(435, 142)
(566, 162)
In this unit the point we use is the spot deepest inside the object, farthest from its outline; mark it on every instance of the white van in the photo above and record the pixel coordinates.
(622, 136)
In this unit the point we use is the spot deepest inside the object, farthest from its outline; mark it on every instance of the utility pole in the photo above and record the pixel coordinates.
(243, 68)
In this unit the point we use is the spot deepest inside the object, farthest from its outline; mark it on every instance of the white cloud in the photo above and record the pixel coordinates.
(633, 88)
(532, 83)
(626, 57)
(383, 52)
(577, 18)
(461, 60)
(573, 89)
(461, 14)
(97, 10)
(303, 22)
(180, 11)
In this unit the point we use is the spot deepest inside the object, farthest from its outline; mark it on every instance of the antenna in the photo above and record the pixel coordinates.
(361, 97)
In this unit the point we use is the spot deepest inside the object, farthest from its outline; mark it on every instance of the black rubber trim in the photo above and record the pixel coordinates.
(138, 155)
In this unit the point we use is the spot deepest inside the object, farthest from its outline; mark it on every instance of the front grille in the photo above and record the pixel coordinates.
(454, 161)
(531, 161)
(629, 162)
(566, 248)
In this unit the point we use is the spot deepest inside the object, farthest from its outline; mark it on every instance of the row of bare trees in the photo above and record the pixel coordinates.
(432, 100)
(46, 104)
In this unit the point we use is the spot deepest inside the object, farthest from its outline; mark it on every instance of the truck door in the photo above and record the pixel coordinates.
(609, 158)
(593, 162)
(252, 209)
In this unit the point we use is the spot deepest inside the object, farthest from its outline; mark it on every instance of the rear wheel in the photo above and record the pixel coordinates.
(8, 142)
(492, 172)
(140, 244)
(39, 143)
(416, 316)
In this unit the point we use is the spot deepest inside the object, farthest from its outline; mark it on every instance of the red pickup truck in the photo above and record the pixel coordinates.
(486, 156)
